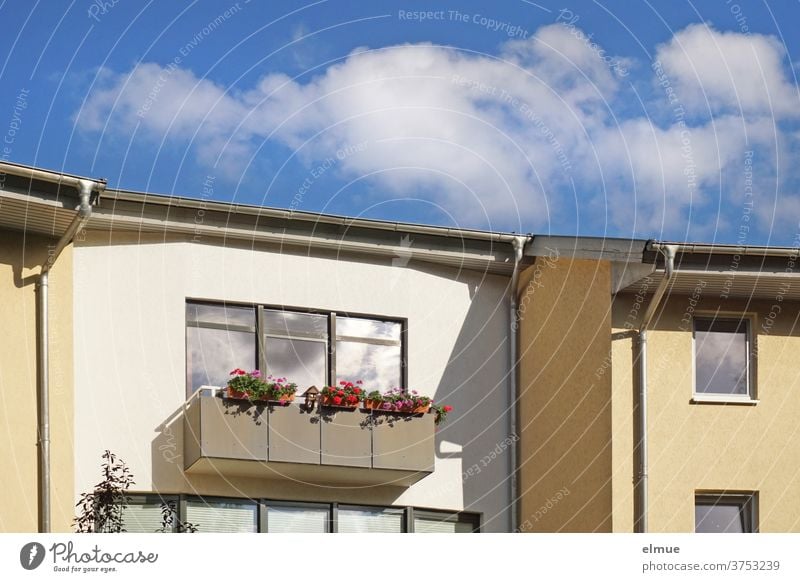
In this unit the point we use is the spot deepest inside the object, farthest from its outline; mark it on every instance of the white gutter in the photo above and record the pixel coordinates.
(518, 243)
(171, 202)
(642, 477)
(754, 251)
(85, 189)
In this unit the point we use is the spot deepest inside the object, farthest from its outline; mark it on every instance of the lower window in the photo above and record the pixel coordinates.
(725, 513)
(151, 513)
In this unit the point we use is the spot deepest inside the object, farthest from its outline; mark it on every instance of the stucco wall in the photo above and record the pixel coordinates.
(19, 264)
(711, 446)
(565, 403)
(130, 359)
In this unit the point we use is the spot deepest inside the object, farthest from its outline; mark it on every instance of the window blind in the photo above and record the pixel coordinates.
(222, 517)
(370, 521)
(142, 517)
(297, 520)
(433, 525)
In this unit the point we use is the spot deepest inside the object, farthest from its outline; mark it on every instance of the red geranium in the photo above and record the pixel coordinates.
(343, 393)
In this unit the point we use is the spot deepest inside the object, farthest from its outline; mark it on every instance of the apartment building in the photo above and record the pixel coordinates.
(597, 384)
(160, 298)
(659, 388)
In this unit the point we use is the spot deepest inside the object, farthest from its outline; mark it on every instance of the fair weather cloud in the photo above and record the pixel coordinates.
(544, 131)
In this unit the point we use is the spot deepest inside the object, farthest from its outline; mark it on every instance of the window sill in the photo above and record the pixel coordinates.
(722, 399)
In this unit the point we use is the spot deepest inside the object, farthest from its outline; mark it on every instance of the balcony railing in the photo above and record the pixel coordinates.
(320, 446)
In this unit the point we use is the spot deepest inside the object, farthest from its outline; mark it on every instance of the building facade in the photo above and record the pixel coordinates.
(597, 384)
(167, 296)
(697, 433)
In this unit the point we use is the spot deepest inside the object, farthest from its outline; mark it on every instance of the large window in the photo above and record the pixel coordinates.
(308, 348)
(725, 513)
(215, 514)
(723, 358)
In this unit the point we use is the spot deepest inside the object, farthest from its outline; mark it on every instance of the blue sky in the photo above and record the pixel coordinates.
(667, 120)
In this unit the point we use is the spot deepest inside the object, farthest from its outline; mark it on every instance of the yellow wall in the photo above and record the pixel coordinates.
(565, 403)
(709, 446)
(19, 263)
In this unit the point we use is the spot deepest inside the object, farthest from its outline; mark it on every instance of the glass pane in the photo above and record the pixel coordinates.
(223, 314)
(370, 521)
(142, 517)
(378, 366)
(368, 328)
(211, 354)
(433, 525)
(719, 518)
(721, 357)
(295, 324)
(222, 517)
(301, 362)
(297, 520)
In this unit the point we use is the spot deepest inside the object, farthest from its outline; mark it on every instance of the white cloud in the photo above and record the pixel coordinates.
(726, 71)
(495, 140)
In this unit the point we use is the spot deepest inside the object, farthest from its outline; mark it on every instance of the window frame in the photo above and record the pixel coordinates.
(748, 501)
(455, 516)
(749, 319)
(265, 504)
(405, 525)
(157, 499)
(190, 390)
(330, 341)
(210, 499)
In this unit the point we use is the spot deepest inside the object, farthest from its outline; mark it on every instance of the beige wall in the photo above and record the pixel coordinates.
(19, 263)
(709, 446)
(565, 404)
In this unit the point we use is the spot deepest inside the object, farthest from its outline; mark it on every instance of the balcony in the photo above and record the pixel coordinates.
(322, 446)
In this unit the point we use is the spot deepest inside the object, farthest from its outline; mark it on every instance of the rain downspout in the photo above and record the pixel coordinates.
(518, 243)
(85, 189)
(641, 480)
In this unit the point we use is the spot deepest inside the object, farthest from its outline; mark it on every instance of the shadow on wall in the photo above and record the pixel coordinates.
(21, 257)
(476, 384)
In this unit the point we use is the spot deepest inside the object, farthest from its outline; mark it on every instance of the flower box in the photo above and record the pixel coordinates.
(399, 401)
(345, 395)
(388, 407)
(330, 403)
(254, 387)
(234, 394)
(284, 400)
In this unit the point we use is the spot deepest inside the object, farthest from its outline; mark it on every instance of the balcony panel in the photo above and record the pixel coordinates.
(346, 438)
(322, 447)
(227, 429)
(294, 435)
(403, 442)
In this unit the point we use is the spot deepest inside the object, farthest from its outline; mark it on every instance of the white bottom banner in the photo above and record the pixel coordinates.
(399, 557)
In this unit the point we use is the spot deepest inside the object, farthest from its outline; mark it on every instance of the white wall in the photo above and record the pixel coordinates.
(130, 360)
